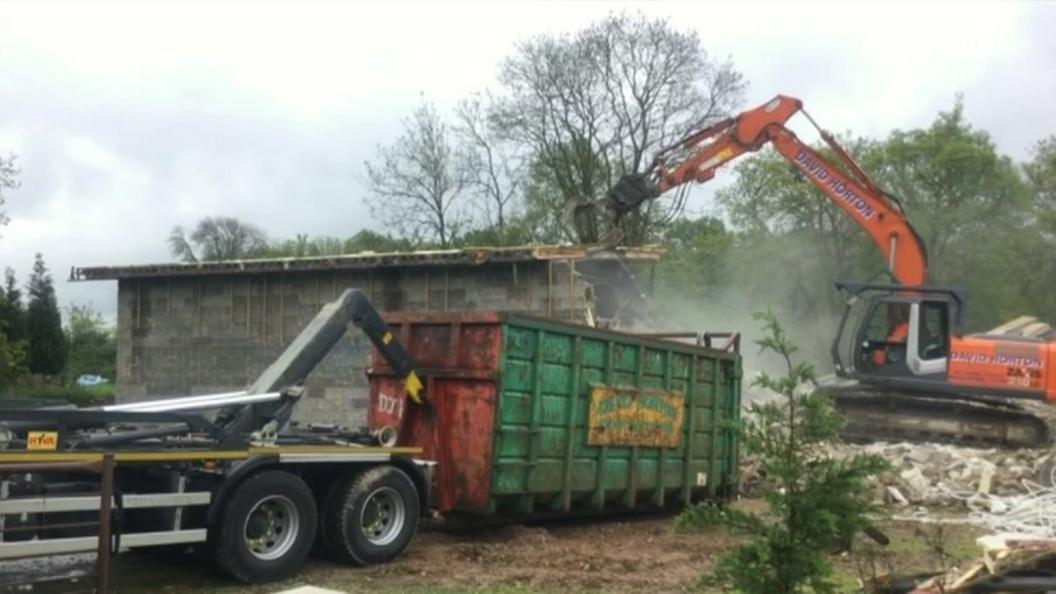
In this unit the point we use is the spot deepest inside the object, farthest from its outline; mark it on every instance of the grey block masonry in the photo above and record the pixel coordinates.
(188, 335)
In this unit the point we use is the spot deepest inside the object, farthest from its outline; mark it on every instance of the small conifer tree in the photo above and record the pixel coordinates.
(47, 341)
(815, 503)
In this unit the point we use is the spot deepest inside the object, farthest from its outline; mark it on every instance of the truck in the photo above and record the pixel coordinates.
(225, 473)
(479, 416)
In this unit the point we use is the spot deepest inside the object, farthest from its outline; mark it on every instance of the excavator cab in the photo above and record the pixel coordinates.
(904, 370)
(888, 333)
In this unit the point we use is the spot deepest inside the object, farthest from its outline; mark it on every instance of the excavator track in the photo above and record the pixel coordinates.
(876, 414)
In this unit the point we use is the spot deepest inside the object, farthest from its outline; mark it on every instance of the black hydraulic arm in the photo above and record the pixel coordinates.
(312, 345)
(367, 319)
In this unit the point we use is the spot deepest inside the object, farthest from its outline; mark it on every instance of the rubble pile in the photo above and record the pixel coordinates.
(928, 474)
(937, 474)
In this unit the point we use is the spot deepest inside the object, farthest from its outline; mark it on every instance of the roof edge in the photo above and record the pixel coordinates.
(372, 260)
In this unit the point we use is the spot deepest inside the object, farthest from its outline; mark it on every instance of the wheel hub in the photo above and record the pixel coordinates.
(383, 516)
(271, 527)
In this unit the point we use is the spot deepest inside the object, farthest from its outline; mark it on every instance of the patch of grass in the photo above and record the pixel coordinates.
(78, 395)
(845, 582)
(915, 549)
(699, 516)
(957, 546)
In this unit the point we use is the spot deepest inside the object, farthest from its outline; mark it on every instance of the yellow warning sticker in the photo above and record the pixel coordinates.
(42, 440)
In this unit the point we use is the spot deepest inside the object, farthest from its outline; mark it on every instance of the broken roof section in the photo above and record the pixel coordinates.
(367, 260)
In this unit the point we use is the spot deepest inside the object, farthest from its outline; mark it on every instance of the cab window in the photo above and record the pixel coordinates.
(934, 330)
(885, 320)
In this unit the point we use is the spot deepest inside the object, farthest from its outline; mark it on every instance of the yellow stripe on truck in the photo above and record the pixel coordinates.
(199, 455)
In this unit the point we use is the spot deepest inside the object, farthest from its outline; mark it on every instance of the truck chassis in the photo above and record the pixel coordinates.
(223, 473)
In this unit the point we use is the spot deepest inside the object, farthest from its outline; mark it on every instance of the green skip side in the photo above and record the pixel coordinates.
(541, 457)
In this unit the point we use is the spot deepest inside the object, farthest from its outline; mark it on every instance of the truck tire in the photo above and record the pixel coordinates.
(267, 527)
(370, 517)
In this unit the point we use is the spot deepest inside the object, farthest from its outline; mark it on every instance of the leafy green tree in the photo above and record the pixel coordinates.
(969, 203)
(515, 231)
(550, 209)
(954, 184)
(47, 342)
(302, 246)
(815, 503)
(794, 243)
(218, 238)
(1036, 242)
(92, 344)
(364, 241)
(12, 332)
(1041, 172)
(770, 197)
(372, 241)
(12, 361)
(694, 267)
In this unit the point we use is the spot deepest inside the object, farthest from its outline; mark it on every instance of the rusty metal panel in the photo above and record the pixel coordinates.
(635, 417)
(457, 355)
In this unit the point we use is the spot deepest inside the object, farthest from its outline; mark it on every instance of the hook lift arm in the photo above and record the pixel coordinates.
(308, 350)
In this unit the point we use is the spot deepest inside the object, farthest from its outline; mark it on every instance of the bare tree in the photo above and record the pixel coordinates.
(595, 106)
(553, 106)
(218, 238)
(415, 183)
(491, 165)
(8, 181)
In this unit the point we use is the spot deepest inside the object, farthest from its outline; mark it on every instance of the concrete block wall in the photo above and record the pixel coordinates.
(188, 335)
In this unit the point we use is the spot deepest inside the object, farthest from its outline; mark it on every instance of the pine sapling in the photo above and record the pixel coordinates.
(815, 503)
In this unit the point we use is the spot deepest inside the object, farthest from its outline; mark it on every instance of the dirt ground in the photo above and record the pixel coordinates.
(631, 554)
(624, 555)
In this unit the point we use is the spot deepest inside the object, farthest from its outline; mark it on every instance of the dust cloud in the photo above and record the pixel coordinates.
(732, 311)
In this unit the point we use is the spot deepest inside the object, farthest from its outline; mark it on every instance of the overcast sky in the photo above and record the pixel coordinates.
(130, 118)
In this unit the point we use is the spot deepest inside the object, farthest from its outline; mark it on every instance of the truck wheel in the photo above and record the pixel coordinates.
(370, 517)
(267, 527)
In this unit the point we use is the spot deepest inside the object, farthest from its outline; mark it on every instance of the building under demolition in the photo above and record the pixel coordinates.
(204, 327)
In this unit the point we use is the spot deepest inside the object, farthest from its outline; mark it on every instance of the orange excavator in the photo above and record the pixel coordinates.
(903, 367)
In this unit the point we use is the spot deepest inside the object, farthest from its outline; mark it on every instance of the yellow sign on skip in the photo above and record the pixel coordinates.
(635, 417)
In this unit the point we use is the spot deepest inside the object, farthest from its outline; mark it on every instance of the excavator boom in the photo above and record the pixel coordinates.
(698, 156)
(910, 370)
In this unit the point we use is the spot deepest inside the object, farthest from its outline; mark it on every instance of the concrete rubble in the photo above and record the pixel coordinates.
(937, 475)
(946, 475)
(1007, 493)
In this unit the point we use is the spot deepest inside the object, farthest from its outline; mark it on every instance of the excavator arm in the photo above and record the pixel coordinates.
(696, 158)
